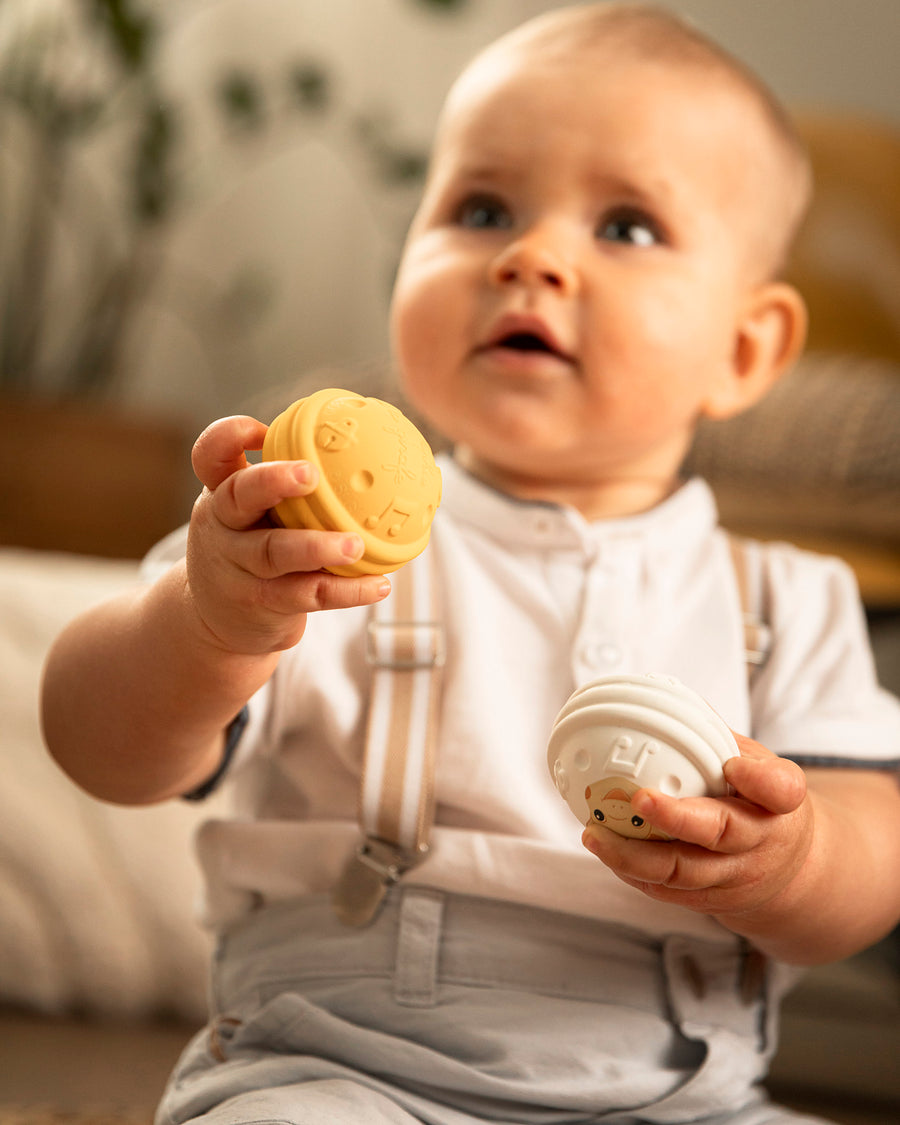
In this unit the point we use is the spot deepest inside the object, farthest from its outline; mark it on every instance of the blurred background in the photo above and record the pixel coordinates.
(204, 199)
(202, 205)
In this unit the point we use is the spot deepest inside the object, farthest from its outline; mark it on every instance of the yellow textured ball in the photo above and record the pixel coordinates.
(377, 475)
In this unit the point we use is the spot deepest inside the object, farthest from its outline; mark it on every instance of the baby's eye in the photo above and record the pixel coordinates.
(633, 227)
(484, 212)
(598, 815)
(637, 821)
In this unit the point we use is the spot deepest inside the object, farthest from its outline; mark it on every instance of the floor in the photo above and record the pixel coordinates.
(99, 1067)
(99, 1070)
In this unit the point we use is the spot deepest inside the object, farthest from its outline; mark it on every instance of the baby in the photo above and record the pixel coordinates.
(594, 266)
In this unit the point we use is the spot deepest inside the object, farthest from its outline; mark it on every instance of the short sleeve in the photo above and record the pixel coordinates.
(817, 698)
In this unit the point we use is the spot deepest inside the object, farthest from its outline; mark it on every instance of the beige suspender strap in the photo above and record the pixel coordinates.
(405, 649)
(406, 652)
(747, 563)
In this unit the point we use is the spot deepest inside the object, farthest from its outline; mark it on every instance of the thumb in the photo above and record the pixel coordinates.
(775, 784)
(219, 450)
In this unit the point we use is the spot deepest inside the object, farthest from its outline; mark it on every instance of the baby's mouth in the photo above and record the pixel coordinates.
(526, 336)
(525, 342)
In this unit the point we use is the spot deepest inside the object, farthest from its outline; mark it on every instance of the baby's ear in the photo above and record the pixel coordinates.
(769, 336)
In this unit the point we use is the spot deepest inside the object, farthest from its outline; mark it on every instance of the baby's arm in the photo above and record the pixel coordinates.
(138, 692)
(803, 865)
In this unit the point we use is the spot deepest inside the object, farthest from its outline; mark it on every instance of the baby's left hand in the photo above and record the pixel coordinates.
(728, 855)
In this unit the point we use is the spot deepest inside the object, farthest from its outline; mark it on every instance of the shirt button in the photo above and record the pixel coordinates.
(602, 655)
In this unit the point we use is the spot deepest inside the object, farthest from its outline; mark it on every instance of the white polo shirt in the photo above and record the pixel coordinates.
(537, 601)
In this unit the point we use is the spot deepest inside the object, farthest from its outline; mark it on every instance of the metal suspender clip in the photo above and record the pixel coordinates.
(368, 875)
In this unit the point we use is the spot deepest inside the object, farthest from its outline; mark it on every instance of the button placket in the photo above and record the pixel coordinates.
(599, 649)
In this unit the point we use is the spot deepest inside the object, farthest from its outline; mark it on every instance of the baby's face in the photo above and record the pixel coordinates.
(567, 300)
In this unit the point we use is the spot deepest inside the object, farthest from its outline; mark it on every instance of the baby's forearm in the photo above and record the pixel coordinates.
(137, 696)
(846, 896)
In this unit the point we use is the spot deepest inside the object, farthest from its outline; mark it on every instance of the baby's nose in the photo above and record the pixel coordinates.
(534, 260)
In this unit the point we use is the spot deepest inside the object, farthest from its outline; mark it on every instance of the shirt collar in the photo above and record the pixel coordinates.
(680, 522)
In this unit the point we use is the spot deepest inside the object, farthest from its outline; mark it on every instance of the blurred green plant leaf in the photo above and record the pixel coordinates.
(130, 29)
(310, 86)
(154, 186)
(443, 5)
(241, 99)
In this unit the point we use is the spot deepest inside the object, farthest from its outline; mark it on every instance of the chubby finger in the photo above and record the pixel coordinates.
(651, 865)
(299, 593)
(724, 825)
(275, 552)
(220, 450)
(245, 498)
(775, 784)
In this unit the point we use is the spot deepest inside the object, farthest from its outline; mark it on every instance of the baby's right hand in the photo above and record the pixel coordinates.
(253, 583)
